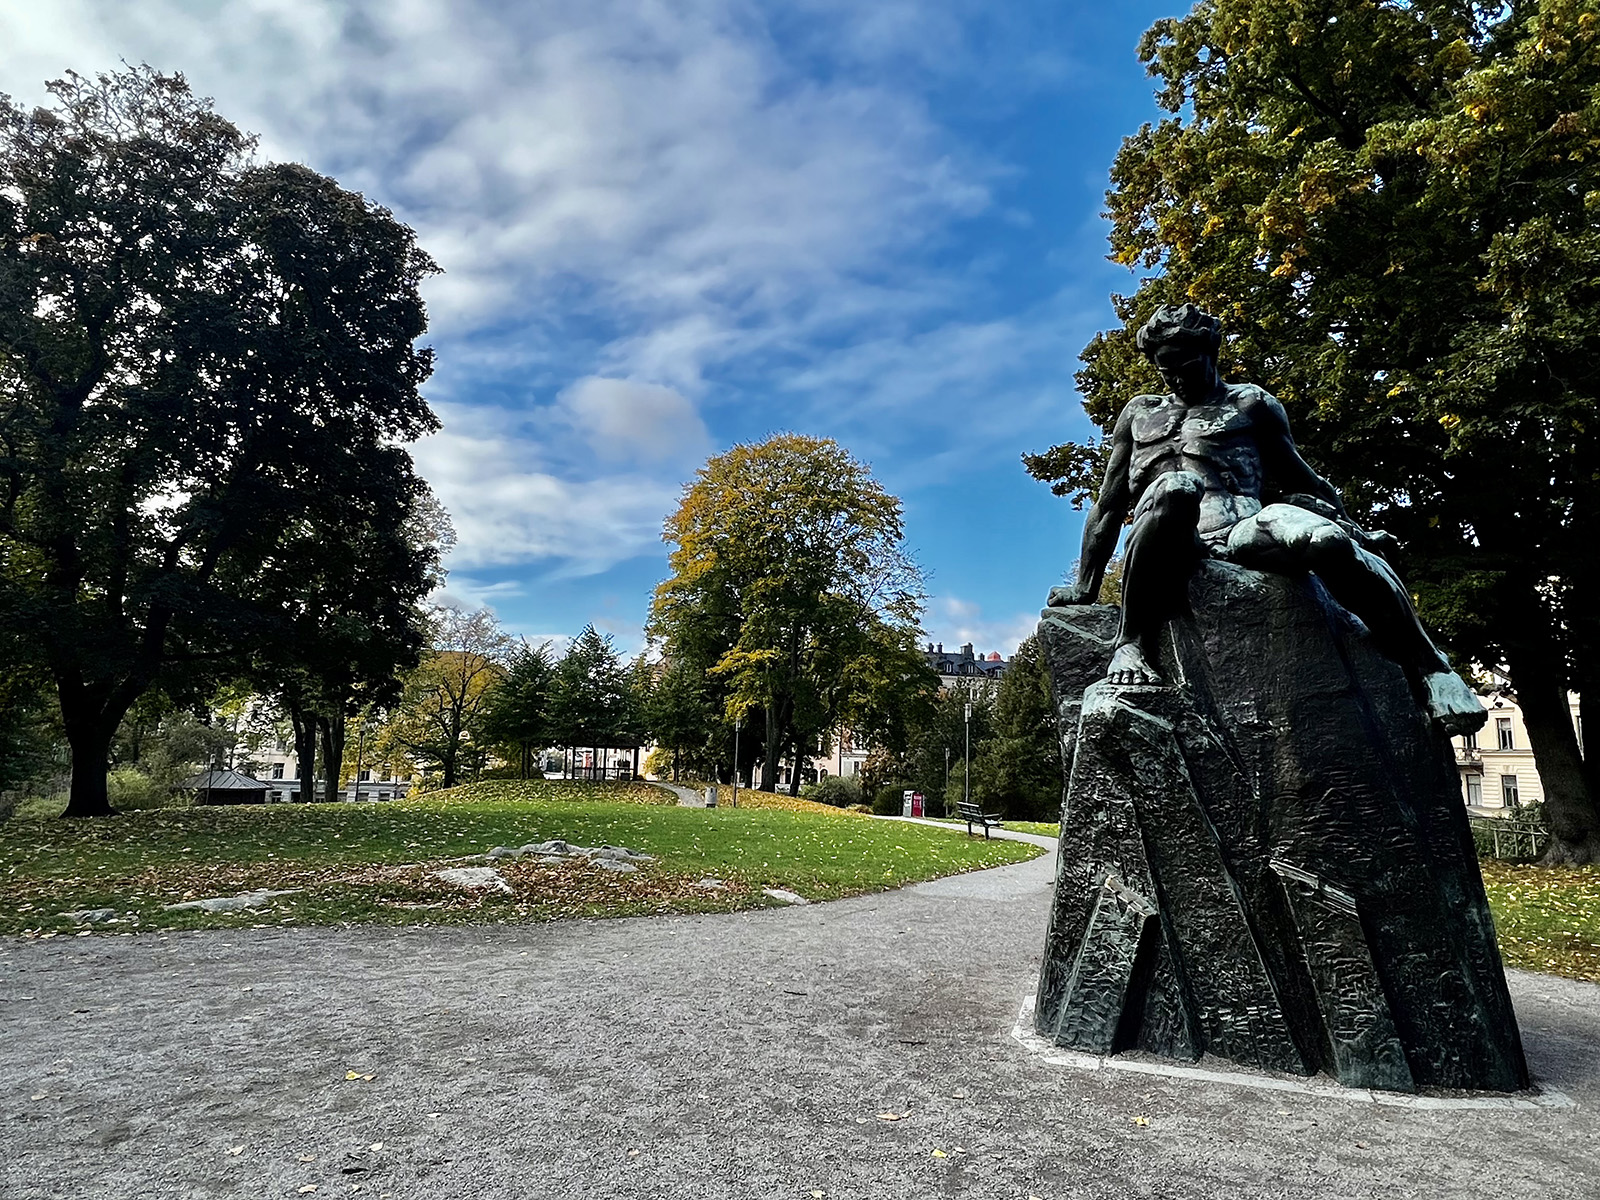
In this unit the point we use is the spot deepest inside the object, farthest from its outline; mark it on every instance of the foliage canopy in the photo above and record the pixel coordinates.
(1395, 209)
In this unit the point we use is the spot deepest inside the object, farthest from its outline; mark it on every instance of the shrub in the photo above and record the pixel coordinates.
(889, 800)
(837, 790)
(128, 788)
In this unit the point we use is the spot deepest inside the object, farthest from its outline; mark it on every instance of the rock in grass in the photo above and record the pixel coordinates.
(90, 916)
(785, 895)
(473, 877)
(616, 854)
(612, 864)
(239, 903)
(710, 884)
(554, 847)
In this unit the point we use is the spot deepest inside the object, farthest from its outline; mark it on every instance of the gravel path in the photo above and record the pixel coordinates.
(745, 1055)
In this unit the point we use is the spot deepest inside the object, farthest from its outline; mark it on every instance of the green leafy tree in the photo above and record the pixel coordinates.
(519, 713)
(594, 702)
(440, 719)
(1017, 769)
(1393, 207)
(203, 361)
(790, 582)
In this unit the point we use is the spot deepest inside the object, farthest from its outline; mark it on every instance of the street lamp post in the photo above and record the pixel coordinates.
(966, 770)
(738, 724)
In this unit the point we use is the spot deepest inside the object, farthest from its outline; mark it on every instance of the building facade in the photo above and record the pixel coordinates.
(276, 766)
(1497, 767)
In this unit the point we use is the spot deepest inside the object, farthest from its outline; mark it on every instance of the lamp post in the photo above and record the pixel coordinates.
(738, 724)
(966, 770)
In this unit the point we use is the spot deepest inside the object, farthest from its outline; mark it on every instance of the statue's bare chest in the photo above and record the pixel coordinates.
(1168, 434)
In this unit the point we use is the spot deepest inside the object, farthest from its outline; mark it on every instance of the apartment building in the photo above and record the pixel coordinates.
(1498, 770)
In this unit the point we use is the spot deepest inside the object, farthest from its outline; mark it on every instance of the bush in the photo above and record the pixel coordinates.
(131, 788)
(836, 790)
(890, 800)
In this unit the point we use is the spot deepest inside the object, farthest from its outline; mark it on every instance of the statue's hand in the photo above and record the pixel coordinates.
(1379, 541)
(1072, 593)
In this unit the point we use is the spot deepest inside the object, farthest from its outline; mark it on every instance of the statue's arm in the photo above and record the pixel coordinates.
(1286, 472)
(1103, 526)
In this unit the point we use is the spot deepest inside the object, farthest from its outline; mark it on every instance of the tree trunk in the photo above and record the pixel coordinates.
(1569, 803)
(449, 765)
(305, 748)
(794, 771)
(91, 747)
(774, 751)
(332, 729)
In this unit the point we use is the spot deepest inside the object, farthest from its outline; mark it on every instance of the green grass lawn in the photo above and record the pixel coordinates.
(1042, 828)
(373, 862)
(1547, 918)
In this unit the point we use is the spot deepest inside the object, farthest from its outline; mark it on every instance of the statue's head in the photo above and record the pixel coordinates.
(1180, 325)
(1182, 342)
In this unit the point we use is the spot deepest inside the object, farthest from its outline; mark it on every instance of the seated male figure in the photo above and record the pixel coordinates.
(1210, 470)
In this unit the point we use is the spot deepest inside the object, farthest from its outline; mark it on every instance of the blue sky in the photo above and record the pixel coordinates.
(670, 227)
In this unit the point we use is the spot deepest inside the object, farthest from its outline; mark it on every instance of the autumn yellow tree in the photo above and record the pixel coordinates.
(439, 718)
(792, 589)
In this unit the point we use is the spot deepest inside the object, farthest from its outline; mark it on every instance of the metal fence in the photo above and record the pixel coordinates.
(1508, 837)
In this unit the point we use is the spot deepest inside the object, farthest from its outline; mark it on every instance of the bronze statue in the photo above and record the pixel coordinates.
(1210, 470)
(1264, 854)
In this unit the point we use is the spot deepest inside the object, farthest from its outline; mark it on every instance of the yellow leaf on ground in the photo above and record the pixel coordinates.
(894, 1116)
(1141, 1121)
(940, 1154)
(352, 1074)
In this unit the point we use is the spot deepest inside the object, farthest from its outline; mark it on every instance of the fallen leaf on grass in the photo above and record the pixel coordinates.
(308, 1158)
(39, 1096)
(377, 1145)
(1141, 1121)
(235, 1150)
(940, 1154)
(894, 1116)
(310, 1187)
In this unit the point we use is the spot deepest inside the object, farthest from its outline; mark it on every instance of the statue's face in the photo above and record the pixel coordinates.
(1190, 373)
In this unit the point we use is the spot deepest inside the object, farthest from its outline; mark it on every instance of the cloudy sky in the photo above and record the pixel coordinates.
(667, 226)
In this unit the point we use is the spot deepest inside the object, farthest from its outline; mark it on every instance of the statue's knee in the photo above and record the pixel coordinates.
(1330, 547)
(1177, 492)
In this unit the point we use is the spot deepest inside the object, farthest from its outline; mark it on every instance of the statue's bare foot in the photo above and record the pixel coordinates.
(1128, 665)
(1452, 704)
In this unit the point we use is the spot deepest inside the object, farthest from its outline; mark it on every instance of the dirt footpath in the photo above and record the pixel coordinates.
(750, 1055)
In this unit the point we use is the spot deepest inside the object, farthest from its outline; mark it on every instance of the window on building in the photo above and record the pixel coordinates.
(1475, 791)
(1508, 791)
(1502, 728)
(1470, 740)
(277, 770)
(366, 776)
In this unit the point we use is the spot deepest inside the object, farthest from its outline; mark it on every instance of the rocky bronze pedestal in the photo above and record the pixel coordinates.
(1267, 859)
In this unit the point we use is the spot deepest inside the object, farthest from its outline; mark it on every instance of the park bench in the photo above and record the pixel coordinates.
(972, 814)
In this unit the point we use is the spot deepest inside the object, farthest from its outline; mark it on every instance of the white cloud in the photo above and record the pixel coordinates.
(955, 621)
(625, 421)
(504, 486)
(628, 198)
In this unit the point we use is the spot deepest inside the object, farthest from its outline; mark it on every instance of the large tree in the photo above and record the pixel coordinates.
(440, 719)
(791, 582)
(594, 701)
(1017, 770)
(202, 359)
(1393, 207)
(519, 709)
